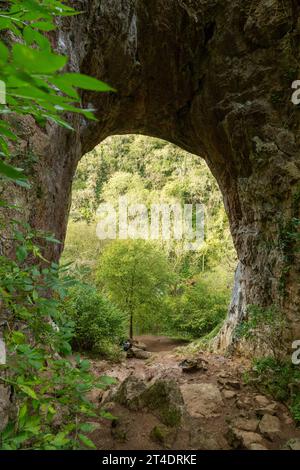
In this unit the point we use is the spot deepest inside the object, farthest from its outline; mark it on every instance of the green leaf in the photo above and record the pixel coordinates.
(86, 441)
(11, 172)
(3, 53)
(5, 23)
(7, 133)
(21, 253)
(18, 337)
(107, 415)
(87, 427)
(79, 80)
(28, 391)
(31, 36)
(22, 414)
(43, 25)
(60, 440)
(40, 62)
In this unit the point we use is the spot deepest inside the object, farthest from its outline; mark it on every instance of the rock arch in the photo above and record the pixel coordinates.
(214, 77)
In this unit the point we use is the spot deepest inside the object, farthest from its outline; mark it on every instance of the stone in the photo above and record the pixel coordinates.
(262, 400)
(139, 345)
(203, 440)
(164, 399)
(95, 395)
(129, 393)
(270, 427)
(256, 446)
(270, 409)
(202, 399)
(293, 444)
(240, 439)
(246, 424)
(232, 384)
(140, 353)
(229, 394)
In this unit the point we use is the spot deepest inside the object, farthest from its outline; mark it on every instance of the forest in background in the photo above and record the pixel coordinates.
(175, 292)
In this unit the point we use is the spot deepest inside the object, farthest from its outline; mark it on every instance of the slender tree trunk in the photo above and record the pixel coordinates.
(131, 326)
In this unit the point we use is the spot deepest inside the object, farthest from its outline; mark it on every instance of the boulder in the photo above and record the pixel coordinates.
(229, 394)
(129, 394)
(262, 400)
(270, 427)
(246, 424)
(164, 399)
(203, 440)
(270, 409)
(140, 353)
(202, 399)
(230, 383)
(139, 345)
(239, 439)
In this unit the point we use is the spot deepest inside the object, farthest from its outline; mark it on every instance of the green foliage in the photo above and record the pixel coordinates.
(136, 276)
(82, 249)
(148, 170)
(280, 379)
(99, 326)
(32, 73)
(37, 335)
(201, 307)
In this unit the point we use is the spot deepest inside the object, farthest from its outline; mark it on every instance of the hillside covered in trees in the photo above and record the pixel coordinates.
(190, 290)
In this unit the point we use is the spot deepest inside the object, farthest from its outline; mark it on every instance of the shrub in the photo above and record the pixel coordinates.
(199, 310)
(99, 325)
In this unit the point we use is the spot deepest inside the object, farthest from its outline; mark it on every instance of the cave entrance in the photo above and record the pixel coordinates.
(168, 284)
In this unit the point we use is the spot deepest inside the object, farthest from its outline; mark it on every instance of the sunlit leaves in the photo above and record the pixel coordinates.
(34, 75)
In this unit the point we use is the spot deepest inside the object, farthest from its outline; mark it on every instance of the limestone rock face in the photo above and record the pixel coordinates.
(214, 77)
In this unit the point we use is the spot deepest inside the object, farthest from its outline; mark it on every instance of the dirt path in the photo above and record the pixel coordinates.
(218, 412)
(160, 343)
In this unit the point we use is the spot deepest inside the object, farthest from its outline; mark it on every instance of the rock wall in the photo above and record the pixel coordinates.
(214, 77)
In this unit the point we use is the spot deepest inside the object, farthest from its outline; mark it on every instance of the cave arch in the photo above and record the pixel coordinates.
(214, 77)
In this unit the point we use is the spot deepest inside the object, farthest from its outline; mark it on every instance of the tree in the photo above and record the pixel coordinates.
(136, 276)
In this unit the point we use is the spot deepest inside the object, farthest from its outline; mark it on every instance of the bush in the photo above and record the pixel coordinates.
(99, 325)
(199, 310)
